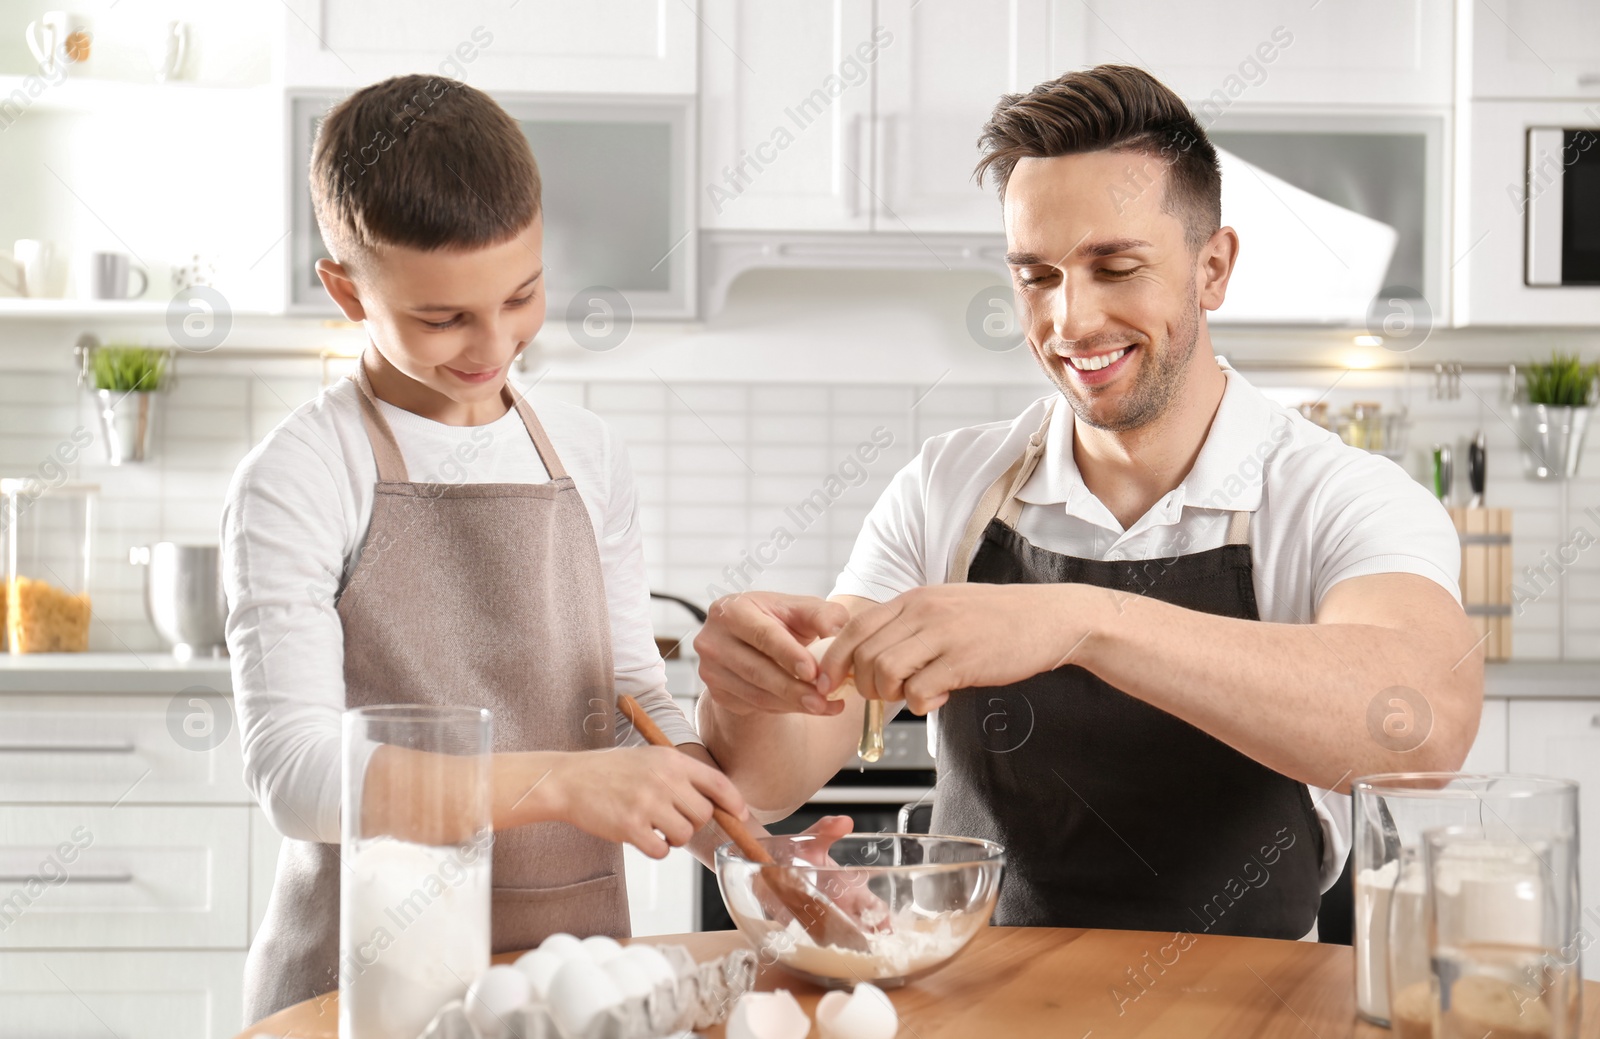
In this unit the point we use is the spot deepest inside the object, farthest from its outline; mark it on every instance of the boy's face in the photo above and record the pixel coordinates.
(450, 320)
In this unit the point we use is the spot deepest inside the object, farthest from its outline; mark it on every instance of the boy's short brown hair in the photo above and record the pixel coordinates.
(1111, 108)
(425, 162)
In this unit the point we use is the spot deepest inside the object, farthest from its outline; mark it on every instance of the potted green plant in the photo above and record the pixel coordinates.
(126, 379)
(1552, 414)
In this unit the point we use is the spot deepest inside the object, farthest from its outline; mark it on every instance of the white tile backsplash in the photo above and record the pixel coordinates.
(722, 466)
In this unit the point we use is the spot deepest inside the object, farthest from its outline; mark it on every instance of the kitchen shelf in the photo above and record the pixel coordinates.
(88, 309)
(93, 96)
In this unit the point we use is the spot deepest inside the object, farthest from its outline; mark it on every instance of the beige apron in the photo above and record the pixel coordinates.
(479, 594)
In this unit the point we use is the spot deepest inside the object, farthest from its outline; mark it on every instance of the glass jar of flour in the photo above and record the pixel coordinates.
(414, 889)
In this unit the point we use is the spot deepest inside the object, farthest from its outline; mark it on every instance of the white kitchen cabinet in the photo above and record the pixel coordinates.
(926, 121)
(1488, 753)
(1533, 48)
(663, 894)
(1349, 52)
(122, 876)
(143, 995)
(845, 117)
(1562, 738)
(106, 748)
(1489, 255)
(785, 115)
(600, 47)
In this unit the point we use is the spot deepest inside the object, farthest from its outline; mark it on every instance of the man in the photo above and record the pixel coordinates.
(1163, 621)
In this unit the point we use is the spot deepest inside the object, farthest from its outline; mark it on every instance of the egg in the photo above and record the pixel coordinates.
(768, 1015)
(820, 647)
(600, 949)
(630, 978)
(865, 1013)
(562, 944)
(656, 967)
(494, 997)
(539, 966)
(580, 992)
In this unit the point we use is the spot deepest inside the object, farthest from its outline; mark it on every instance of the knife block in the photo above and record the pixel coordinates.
(1486, 575)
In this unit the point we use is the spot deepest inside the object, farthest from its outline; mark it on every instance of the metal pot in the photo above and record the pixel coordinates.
(183, 596)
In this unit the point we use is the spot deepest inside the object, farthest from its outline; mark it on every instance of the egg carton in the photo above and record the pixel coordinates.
(704, 995)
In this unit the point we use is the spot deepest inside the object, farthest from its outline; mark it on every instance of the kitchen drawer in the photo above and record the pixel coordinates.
(129, 995)
(130, 876)
(663, 894)
(114, 748)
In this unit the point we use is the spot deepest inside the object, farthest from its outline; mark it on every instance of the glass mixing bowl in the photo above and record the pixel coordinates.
(919, 898)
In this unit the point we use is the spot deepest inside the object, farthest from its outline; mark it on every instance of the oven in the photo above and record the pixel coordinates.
(871, 793)
(1563, 207)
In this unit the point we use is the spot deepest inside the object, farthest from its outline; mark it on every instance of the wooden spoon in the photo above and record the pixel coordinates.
(824, 921)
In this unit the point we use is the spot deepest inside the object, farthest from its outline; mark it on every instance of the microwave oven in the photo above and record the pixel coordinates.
(1563, 207)
(618, 201)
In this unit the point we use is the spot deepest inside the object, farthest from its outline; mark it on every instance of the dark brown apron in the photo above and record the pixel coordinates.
(1113, 812)
(484, 595)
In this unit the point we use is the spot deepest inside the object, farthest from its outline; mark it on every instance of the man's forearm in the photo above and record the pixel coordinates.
(776, 760)
(1322, 703)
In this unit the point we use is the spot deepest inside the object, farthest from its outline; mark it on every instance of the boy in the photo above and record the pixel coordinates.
(499, 581)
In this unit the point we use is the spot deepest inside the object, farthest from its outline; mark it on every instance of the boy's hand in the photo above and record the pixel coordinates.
(642, 795)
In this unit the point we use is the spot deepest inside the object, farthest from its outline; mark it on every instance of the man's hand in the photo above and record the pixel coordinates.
(753, 653)
(927, 642)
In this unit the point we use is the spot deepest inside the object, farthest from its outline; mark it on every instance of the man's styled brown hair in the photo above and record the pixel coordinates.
(1111, 108)
(425, 162)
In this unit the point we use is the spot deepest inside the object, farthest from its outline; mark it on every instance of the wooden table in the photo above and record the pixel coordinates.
(1068, 983)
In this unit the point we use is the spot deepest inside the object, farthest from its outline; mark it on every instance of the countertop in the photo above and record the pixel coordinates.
(1070, 982)
(157, 672)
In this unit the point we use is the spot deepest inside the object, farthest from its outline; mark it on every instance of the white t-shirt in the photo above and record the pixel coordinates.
(1322, 512)
(292, 526)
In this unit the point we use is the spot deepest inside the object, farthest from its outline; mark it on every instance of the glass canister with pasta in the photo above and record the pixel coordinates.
(48, 528)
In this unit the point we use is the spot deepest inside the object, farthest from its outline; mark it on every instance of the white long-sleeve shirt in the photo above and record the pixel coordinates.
(293, 523)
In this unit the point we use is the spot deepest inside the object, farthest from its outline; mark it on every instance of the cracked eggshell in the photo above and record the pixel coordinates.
(768, 1015)
(818, 648)
(865, 1013)
(539, 966)
(494, 997)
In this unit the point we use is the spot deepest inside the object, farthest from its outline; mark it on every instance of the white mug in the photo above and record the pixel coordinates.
(167, 49)
(26, 269)
(107, 276)
(59, 39)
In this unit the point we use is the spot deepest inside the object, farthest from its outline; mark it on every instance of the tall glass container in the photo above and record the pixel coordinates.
(1393, 811)
(47, 531)
(1502, 920)
(415, 887)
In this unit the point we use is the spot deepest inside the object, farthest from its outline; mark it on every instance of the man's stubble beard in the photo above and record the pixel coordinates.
(1161, 376)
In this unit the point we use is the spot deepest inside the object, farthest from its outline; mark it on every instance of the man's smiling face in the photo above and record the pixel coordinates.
(1109, 293)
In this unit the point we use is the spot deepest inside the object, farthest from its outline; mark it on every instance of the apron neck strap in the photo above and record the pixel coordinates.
(1238, 528)
(386, 450)
(1000, 502)
(391, 463)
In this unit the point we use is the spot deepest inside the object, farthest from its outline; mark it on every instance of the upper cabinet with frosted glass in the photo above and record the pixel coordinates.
(598, 46)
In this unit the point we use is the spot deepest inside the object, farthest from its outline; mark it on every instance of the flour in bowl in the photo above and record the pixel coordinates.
(916, 942)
